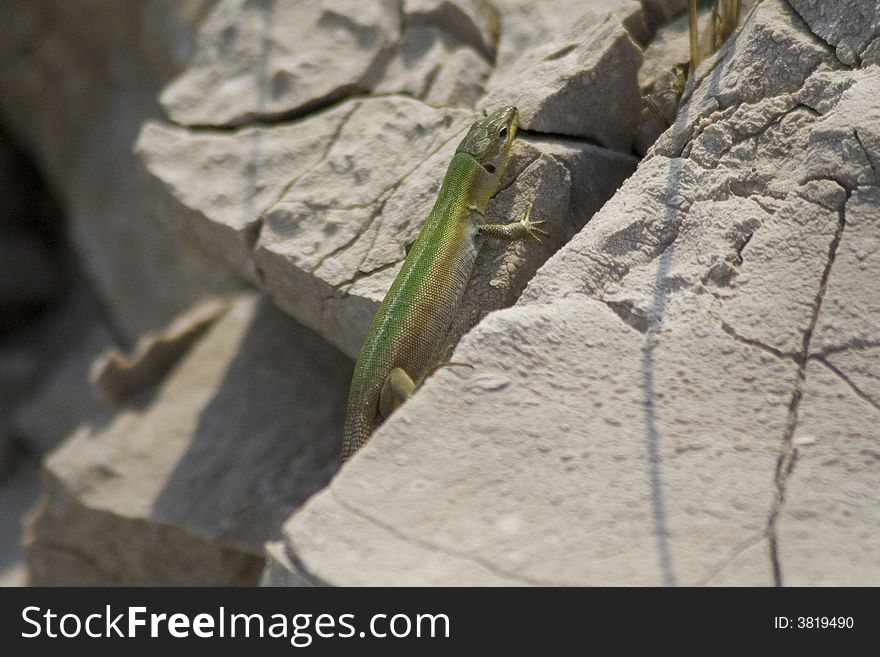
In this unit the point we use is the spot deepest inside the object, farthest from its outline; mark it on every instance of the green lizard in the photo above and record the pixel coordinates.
(408, 331)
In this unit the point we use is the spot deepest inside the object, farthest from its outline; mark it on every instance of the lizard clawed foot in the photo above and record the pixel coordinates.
(530, 227)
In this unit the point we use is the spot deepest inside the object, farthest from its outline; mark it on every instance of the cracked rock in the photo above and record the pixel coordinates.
(829, 526)
(575, 452)
(850, 313)
(782, 267)
(623, 422)
(526, 24)
(249, 169)
(260, 61)
(343, 192)
(430, 65)
(573, 84)
(848, 27)
(185, 485)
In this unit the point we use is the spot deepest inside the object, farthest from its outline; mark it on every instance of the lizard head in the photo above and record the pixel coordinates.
(488, 142)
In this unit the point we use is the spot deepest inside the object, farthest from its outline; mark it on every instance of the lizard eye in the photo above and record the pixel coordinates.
(503, 133)
(489, 167)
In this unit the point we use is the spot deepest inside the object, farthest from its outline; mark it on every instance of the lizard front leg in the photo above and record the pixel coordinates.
(398, 387)
(515, 230)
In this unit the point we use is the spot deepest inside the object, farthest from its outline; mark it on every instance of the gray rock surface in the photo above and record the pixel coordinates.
(264, 60)
(184, 485)
(662, 405)
(526, 24)
(573, 84)
(827, 525)
(848, 27)
(685, 390)
(76, 82)
(118, 376)
(320, 211)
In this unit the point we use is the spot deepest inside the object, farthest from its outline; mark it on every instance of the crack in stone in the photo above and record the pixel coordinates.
(718, 568)
(345, 286)
(561, 136)
(816, 38)
(788, 454)
(253, 231)
(861, 393)
(868, 156)
(383, 198)
(788, 355)
(488, 565)
(337, 133)
(852, 345)
(694, 126)
(745, 242)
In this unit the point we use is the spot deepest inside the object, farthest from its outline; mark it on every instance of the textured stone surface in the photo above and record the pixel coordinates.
(250, 168)
(526, 24)
(566, 479)
(828, 524)
(183, 486)
(320, 211)
(642, 415)
(571, 85)
(847, 26)
(264, 60)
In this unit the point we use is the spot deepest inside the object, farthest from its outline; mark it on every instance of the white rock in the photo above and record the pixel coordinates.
(573, 84)
(829, 524)
(526, 24)
(566, 474)
(248, 170)
(847, 26)
(262, 60)
(259, 61)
